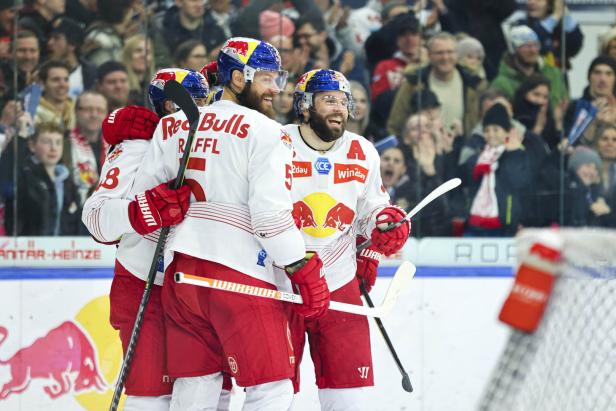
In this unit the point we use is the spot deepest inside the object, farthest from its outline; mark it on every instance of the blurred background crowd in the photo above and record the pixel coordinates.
(476, 89)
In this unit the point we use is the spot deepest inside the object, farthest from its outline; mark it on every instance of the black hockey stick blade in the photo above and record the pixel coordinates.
(406, 381)
(180, 96)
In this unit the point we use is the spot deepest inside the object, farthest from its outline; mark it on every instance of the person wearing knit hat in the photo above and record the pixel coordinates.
(582, 156)
(471, 55)
(272, 24)
(602, 76)
(523, 61)
(522, 35)
(497, 116)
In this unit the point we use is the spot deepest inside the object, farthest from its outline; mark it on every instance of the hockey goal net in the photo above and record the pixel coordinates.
(569, 362)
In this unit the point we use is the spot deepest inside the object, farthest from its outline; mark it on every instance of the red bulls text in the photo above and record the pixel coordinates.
(209, 121)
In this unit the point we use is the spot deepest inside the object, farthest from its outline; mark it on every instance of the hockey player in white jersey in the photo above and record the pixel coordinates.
(338, 194)
(239, 171)
(112, 215)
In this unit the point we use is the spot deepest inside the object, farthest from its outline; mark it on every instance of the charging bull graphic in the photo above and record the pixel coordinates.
(64, 357)
(339, 217)
(320, 215)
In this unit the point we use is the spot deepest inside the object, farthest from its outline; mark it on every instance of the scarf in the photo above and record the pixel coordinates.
(484, 209)
(85, 170)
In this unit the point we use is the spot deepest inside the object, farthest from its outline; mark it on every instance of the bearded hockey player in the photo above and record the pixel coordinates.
(338, 195)
(239, 172)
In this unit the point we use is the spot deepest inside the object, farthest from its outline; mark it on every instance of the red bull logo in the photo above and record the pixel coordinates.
(64, 357)
(78, 358)
(240, 48)
(286, 139)
(320, 215)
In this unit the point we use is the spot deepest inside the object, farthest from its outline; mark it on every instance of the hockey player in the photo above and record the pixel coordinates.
(112, 215)
(338, 194)
(239, 172)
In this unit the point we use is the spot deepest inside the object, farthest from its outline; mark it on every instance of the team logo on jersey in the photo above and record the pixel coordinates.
(261, 258)
(344, 173)
(302, 169)
(321, 215)
(286, 140)
(322, 165)
(115, 153)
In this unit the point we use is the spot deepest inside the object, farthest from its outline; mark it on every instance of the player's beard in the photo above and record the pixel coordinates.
(318, 124)
(249, 98)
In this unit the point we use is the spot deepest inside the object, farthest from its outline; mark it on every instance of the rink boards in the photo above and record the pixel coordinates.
(54, 310)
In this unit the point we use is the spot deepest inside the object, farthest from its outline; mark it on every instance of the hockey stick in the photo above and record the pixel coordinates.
(401, 279)
(179, 95)
(406, 381)
(437, 192)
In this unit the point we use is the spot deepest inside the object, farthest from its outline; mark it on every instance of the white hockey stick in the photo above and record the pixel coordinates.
(401, 280)
(437, 192)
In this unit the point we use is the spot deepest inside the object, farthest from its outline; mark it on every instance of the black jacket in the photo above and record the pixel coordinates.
(512, 181)
(37, 206)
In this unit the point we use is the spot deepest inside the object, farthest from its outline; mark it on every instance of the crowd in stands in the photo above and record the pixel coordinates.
(442, 87)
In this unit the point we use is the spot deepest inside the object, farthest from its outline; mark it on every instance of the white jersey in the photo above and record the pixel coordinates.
(105, 213)
(336, 196)
(240, 175)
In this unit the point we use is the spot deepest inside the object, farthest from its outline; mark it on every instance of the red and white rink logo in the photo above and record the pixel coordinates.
(232, 365)
(363, 372)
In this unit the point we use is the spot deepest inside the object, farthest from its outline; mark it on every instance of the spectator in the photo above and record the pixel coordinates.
(112, 83)
(382, 44)
(395, 178)
(294, 59)
(481, 19)
(272, 24)
(606, 147)
(7, 20)
(585, 203)
(84, 148)
(310, 37)
(471, 56)
(47, 203)
(191, 54)
(138, 59)
(424, 101)
(608, 43)
(13, 121)
(283, 104)
(65, 39)
(545, 17)
(55, 106)
(601, 93)
(425, 169)
(38, 15)
(105, 37)
(388, 73)
(184, 21)
(27, 56)
(497, 178)
(457, 89)
(360, 122)
(525, 61)
(361, 23)
(531, 107)
(84, 11)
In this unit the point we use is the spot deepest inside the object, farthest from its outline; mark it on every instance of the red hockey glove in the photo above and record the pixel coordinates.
(158, 207)
(367, 264)
(210, 72)
(129, 123)
(310, 282)
(390, 242)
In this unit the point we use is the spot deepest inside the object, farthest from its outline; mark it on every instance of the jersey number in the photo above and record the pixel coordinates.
(195, 187)
(111, 179)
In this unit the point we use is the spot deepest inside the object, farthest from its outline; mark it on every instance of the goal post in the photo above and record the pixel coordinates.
(569, 361)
